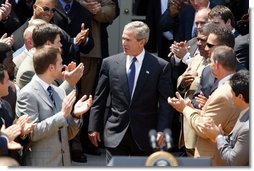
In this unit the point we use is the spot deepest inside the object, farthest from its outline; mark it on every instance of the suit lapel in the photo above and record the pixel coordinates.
(42, 93)
(61, 12)
(121, 61)
(144, 74)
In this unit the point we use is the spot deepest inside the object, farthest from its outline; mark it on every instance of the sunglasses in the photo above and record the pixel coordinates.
(47, 9)
(210, 45)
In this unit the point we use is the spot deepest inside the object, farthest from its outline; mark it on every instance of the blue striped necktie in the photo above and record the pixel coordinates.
(131, 75)
(51, 94)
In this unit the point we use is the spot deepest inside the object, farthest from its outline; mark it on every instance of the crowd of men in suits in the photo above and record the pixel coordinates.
(56, 87)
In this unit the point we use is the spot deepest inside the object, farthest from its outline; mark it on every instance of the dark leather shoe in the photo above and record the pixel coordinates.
(95, 151)
(81, 158)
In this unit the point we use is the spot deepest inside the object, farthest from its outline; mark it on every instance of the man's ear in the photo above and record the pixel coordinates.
(229, 23)
(142, 42)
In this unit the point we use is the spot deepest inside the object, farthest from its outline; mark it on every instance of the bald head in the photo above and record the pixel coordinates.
(201, 17)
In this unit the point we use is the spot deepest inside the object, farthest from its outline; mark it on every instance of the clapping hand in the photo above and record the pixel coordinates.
(11, 133)
(83, 105)
(72, 74)
(26, 127)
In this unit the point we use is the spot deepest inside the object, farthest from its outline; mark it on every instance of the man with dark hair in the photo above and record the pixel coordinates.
(219, 106)
(51, 110)
(222, 15)
(45, 10)
(7, 117)
(234, 148)
(208, 82)
(48, 34)
(6, 59)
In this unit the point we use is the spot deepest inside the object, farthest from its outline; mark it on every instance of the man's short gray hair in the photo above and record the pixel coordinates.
(140, 28)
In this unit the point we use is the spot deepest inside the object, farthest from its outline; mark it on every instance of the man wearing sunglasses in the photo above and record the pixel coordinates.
(82, 42)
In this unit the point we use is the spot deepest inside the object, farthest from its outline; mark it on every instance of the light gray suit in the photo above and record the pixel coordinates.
(26, 72)
(46, 147)
(234, 148)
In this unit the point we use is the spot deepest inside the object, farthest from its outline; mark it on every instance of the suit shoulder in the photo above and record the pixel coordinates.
(156, 58)
(115, 57)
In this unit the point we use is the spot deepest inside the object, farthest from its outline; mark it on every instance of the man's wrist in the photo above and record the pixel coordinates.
(75, 116)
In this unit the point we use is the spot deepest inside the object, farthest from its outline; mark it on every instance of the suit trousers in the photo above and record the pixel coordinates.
(127, 147)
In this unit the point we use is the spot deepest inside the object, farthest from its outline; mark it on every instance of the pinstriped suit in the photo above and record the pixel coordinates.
(46, 147)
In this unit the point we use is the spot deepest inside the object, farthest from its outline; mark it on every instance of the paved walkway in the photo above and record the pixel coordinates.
(93, 160)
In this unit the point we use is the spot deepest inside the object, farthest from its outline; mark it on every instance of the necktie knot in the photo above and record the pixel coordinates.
(67, 8)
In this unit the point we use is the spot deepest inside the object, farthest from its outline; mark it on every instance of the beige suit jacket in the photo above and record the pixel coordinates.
(220, 108)
(188, 136)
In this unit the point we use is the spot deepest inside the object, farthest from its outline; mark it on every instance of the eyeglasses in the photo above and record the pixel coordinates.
(210, 45)
(47, 9)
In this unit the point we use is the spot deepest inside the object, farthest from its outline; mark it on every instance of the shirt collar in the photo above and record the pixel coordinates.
(223, 80)
(139, 58)
(63, 3)
(43, 83)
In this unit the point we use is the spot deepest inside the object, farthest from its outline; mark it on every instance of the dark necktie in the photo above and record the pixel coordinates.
(51, 94)
(67, 8)
(131, 74)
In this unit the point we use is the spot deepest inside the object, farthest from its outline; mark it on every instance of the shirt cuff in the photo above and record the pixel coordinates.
(186, 57)
(218, 137)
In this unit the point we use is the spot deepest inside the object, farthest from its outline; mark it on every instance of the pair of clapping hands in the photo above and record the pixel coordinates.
(21, 127)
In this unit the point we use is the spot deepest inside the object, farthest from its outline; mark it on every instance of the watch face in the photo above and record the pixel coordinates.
(161, 158)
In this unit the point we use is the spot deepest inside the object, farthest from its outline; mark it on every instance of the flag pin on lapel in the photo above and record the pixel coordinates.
(147, 72)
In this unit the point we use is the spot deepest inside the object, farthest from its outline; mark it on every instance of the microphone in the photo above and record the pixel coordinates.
(153, 135)
(168, 138)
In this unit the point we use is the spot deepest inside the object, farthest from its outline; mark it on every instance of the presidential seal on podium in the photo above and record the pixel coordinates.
(161, 158)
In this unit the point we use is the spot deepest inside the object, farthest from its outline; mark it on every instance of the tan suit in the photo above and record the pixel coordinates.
(188, 136)
(220, 108)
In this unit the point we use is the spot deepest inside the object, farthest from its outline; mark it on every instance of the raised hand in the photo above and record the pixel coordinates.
(178, 102)
(188, 77)
(201, 99)
(91, 5)
(72, 74)
(8, 40)
(12, 145)
(5, 10)
(68, 102)
(83, 105)
(11, 132)
(82, 35)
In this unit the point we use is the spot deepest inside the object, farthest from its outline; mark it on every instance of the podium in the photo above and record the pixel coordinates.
(139, 161)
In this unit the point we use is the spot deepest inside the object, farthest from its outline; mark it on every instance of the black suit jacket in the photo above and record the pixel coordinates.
(242, 49)
(206, 85)
(180, 24)
(148, 108)
(3, 146)
(71, 24)
(157, 41)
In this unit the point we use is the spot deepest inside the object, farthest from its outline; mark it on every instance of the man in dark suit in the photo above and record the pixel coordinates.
(234, 148)
(223, 16)
(138, 101)
(45, 10)
(208, 83)
(180, 18)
